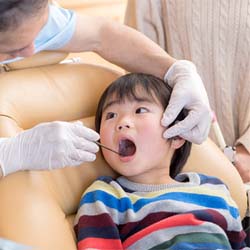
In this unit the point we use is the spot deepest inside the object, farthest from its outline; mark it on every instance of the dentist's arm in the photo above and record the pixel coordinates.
(48, 146)
(119, 44)
(135, 52)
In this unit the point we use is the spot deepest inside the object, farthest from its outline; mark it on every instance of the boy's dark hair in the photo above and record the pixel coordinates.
(13, 12)
(125, 88)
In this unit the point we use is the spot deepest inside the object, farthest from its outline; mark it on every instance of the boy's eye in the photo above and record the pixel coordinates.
(110, 115)
(141, 110)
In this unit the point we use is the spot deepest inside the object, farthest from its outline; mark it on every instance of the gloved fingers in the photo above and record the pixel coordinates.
(74, 163)
(81, 156)
(173, 109)
(85, 145)
(80, 130)
(195, 128)
(197, 134)
(78, 122)
(200, 132)
(184, 126)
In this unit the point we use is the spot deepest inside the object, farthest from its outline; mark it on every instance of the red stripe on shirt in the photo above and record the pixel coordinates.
(99, 244)
(174, 221)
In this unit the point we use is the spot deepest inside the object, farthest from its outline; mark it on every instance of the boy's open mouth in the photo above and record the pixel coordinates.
(126, 148)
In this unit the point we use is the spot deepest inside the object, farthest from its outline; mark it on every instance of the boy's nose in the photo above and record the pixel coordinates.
(124, 126)
(125, 121)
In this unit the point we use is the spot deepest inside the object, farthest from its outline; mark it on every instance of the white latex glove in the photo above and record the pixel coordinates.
(188, 92)
(48, 146)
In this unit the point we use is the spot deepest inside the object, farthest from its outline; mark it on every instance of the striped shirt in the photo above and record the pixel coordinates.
(196, 213)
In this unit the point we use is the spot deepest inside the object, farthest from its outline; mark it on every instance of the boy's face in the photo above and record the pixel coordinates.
(133, 128)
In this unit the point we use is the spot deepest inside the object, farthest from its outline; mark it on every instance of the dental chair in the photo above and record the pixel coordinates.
(37, 208)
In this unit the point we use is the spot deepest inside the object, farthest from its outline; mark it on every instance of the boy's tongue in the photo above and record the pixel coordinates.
(126, 148)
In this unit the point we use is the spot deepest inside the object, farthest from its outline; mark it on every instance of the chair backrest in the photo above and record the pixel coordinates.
(38, 207)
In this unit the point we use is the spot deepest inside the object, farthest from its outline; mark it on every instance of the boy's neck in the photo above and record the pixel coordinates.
(152, 180)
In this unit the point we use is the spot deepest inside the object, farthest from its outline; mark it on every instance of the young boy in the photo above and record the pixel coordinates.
(151, 205)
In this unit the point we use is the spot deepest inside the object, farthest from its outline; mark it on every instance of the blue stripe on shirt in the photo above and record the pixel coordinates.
(124, 203)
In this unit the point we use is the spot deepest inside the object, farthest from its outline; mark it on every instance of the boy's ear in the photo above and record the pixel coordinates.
(177, 142)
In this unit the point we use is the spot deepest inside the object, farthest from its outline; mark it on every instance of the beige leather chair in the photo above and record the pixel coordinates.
(37, 208)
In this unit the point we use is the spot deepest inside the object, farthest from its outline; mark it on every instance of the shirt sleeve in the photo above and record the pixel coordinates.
(94, 225)
(58, 30)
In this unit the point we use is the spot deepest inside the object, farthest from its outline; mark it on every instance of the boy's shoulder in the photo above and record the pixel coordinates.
(199, 178)
(103, 188)
(104, 178)
(103, 183)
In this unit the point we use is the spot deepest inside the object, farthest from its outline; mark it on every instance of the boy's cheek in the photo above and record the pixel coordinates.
(105, 132)
(154, 130)
(105, 139)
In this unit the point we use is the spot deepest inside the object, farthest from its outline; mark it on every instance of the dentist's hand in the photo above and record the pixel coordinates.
(188, 92)
(48, 146)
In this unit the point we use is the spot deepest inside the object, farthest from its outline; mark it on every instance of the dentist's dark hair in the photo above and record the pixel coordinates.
(126, 87)
(14, 12)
